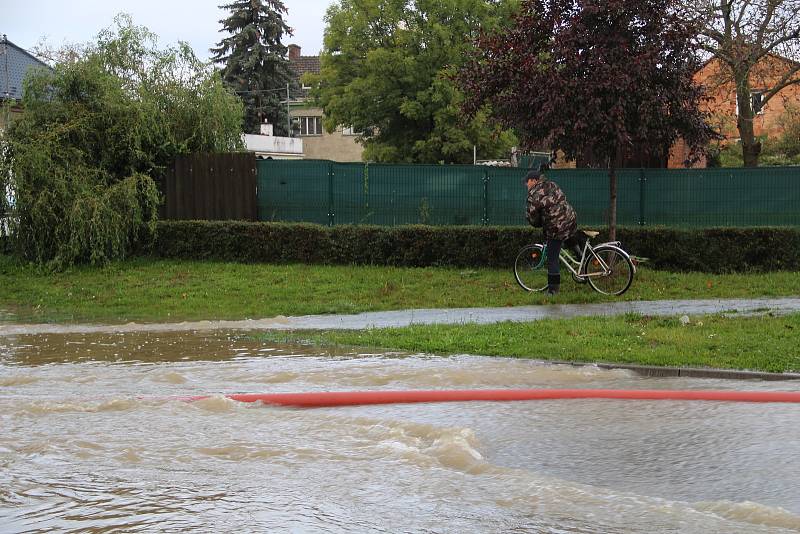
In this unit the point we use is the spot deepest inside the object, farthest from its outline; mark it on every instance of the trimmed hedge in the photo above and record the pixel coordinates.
(715, 250)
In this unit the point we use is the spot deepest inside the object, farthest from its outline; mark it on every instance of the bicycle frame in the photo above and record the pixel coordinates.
(578, 268)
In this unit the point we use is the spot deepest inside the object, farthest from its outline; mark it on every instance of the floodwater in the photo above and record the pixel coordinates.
(93, 439)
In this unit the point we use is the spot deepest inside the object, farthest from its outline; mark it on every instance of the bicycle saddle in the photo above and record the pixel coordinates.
(590, 233)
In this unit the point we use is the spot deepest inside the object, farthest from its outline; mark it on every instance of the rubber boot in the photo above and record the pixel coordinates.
(553, 283)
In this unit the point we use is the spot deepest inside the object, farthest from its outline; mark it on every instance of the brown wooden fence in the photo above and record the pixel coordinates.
(211, 187)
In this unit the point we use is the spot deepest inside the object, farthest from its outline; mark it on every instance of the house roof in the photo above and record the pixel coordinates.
(301, 65)
(14, 64)
(772, 55)
(304, 64)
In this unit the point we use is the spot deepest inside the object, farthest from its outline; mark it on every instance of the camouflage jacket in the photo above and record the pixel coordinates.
(548, 208)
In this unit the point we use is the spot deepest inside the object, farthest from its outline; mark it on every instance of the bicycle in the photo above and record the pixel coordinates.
(606, 267)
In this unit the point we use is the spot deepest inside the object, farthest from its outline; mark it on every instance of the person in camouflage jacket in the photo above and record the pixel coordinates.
(549, 210)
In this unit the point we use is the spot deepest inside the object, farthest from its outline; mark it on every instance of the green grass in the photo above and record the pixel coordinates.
(164, 290)
(761, 343)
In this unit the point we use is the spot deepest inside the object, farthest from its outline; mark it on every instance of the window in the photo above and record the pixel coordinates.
(310, 125)
(757, 101)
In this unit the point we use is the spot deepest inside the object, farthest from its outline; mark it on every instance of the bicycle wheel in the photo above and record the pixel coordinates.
(530, 268)
(619, 274)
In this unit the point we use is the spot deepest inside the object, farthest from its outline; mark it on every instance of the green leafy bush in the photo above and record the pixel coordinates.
(96, 134)
(717, 250)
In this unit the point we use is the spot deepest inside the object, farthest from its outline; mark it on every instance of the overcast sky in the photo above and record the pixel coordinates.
(193, 21)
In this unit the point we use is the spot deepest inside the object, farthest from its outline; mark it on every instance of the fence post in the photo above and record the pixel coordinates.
(331, 213)
(486, 197)
(642, 186)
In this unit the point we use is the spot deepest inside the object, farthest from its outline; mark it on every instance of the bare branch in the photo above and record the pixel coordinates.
(789, 78)
(737, 22)
(770, 12)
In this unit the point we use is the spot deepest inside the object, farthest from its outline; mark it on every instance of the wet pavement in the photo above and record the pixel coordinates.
(400, 318)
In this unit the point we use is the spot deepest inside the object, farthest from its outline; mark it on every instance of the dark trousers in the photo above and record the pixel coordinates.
(553, 251)
(576, 242)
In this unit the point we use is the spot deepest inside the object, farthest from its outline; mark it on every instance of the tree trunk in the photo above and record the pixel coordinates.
(751, 147)
(612, 200)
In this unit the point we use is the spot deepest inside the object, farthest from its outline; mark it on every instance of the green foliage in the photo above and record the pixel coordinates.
(95, 132)
(789, 142)
(254, 60)
(785, 148)
(775, 152)
(715, 250)
(728, 155)
(721, 250)
(386, 71)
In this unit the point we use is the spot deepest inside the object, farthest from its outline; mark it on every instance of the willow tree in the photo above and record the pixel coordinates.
(96, 132)
(599, 77)
(254, 60)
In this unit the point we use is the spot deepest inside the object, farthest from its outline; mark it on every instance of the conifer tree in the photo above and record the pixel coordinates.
(255, 63)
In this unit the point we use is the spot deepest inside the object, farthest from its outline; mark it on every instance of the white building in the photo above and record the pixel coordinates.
(268, 146)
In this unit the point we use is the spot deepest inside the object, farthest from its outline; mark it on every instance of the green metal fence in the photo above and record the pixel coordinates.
(331, 193)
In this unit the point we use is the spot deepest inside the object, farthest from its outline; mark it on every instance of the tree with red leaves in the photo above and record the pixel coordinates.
(604, 79)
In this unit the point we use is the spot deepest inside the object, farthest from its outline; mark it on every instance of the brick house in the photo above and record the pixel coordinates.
(340, 145)
(720, 87)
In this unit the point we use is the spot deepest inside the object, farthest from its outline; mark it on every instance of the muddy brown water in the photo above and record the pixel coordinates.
(92, 440)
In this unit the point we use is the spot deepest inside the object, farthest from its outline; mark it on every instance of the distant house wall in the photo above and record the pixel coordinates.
(317, 142)
(719, 84)
(721, 89)
(679, 155)
(335, 146)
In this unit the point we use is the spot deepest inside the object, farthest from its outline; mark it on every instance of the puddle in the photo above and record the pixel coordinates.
(777, 306)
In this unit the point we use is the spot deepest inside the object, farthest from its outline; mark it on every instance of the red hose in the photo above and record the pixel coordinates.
(352, 398)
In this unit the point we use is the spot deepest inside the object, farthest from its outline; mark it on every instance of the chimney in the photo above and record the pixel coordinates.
(294, 51)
